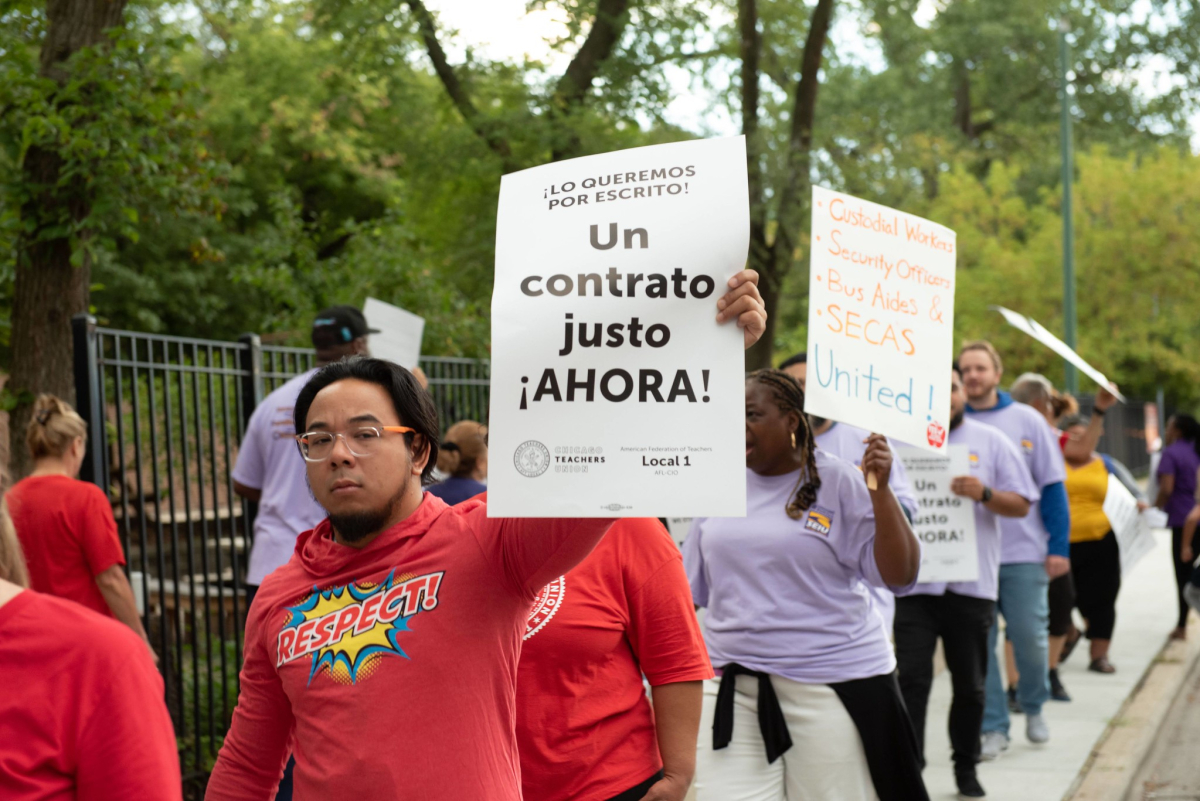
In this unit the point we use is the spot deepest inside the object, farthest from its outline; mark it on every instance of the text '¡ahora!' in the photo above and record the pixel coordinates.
(616, 385)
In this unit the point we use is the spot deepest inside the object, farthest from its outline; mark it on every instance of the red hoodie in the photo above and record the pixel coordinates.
(392, 669)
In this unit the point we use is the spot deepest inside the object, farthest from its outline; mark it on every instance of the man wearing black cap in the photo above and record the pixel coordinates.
(269, 469)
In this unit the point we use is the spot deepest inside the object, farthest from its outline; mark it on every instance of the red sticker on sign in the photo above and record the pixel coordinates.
(935, 434)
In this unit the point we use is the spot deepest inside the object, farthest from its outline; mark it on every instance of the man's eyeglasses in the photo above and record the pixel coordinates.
(316, 446)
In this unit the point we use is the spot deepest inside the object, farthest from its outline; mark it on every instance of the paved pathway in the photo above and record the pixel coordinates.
(1025, 772)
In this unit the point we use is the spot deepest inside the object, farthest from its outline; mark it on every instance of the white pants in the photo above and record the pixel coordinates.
(825, 763)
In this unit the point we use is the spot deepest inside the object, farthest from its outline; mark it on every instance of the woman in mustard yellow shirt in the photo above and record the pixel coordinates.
(1095, 557)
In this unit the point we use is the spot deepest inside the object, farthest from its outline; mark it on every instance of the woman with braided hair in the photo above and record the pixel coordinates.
(803, 654)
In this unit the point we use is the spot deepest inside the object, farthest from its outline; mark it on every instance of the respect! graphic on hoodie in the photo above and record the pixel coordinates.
(346, 630)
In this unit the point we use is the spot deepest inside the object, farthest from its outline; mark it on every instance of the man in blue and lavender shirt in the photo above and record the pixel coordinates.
(962, 613)
(1036, 548)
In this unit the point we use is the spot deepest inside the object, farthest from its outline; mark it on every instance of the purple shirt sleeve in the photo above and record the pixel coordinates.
(1048, 465)
(1011, 473)
(250, 470)
(693, 563)
(1166, 465)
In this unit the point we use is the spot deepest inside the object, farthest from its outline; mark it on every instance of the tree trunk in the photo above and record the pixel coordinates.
(773, 264)
(48, 289)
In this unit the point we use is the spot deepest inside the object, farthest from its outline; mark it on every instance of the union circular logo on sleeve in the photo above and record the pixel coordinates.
(547, 603)
(532, 458)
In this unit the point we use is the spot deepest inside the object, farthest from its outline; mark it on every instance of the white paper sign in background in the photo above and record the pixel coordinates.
(880, 319)
(1133, 529)
(1036, 330)
(400, 332)
(614, 392)
(945, 522)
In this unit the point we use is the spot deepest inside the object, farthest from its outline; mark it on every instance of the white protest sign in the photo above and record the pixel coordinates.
(945, 522)
(1035, 329)
(1132, 528)
(615, 393)
(400, 332)
(880, 319)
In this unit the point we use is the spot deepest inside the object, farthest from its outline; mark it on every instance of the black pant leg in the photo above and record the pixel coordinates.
(964, 637)
(1183, 572)
(1061, 595)
(916, 632)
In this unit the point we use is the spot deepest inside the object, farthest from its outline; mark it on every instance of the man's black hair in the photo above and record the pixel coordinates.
(954, 366)
(799, 358)
(413, 405)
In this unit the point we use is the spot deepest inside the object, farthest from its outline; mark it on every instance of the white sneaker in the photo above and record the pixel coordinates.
(1036, 729)
(993, 744)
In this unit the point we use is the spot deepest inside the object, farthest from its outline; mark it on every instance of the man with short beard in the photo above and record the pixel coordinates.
(1036, 550)
(384, 653)
(962, 613)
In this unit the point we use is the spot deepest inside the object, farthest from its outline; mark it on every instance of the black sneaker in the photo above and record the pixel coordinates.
(1014, 706)
(1057, 691)
(968, 784)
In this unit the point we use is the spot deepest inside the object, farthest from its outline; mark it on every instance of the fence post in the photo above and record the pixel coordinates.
(252, 375)
(87, 397)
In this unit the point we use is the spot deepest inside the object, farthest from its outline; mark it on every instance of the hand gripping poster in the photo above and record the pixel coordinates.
(614, 391)
(880, 319)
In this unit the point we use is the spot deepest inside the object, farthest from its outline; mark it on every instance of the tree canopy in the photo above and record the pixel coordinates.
(250, 162)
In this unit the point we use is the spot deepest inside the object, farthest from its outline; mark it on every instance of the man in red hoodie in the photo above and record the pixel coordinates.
(384, 653)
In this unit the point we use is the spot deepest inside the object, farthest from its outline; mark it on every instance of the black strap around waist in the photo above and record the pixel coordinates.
(770, 717)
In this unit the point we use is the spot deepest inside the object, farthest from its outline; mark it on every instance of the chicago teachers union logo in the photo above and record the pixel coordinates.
(532, 458)
(345, 631)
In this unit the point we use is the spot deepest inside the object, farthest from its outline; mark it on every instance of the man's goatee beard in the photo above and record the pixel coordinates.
(360, 525)
(357, 526)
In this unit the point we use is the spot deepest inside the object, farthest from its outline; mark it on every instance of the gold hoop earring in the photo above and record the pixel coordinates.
(793, 440)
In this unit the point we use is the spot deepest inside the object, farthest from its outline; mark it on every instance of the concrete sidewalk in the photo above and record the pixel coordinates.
(1146, 612)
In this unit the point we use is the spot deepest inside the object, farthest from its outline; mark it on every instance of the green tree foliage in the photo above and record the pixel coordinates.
(317, 152)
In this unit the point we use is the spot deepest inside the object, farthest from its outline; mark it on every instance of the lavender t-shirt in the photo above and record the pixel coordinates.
(788, 597)
(270, 461)
(1025, 538)
(846, 442)
(998, 464)
(1179, 459)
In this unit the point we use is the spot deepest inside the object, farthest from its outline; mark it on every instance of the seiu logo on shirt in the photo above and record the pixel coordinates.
(819, 520)
(973, 458)
(1027, 445)
(346, 630)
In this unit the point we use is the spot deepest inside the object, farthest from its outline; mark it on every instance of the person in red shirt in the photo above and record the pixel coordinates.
(82, 716)
(66, 526)
(585, 728)
(384, 654)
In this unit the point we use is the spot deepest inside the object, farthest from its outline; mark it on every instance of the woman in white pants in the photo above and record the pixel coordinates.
(806, 706)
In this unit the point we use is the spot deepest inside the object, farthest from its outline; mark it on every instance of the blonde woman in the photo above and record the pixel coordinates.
(66, 526)
(82, 716)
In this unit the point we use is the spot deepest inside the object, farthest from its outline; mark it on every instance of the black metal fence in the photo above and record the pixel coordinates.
(165, 417)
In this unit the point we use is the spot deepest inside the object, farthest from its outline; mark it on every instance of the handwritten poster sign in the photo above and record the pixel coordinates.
(880, 319)
(615, 393)
(1036, 330)
(945, 522)
(400, 332)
